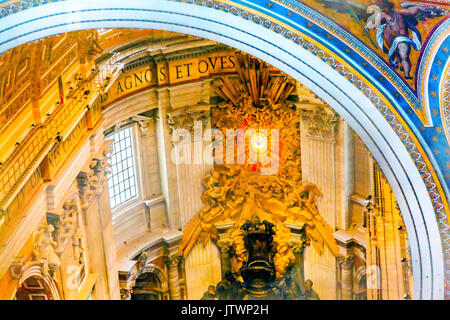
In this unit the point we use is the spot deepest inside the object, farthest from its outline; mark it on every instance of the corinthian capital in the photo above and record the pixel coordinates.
(173, 260)
(186, 118)
(99, 169)
(346, 261)
(298, 245)
(225, 245)
(320, 122)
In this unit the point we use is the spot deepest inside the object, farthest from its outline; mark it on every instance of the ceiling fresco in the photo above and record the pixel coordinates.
(396, 30)
(402, 40)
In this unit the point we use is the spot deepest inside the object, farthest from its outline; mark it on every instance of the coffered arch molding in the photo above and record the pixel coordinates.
(35, 270)
(352, 104)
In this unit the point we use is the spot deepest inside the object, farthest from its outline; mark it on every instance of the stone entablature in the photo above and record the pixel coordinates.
(163, 70)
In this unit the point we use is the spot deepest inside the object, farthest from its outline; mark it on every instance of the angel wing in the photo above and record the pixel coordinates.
(357, 11)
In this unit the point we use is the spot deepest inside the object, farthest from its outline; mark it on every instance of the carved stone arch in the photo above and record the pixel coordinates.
(148, 267)
(360, 272)
(34, 271)
(152, 268)
(153, 272)
(374, 114)
(360, 282)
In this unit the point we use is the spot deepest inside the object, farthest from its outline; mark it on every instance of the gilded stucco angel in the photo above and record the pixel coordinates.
(298, 205)
(240, 196)
(201, 226)
(396, 28)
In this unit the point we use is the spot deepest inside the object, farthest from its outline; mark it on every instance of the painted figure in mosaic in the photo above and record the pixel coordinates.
(396, 29)
(394, 26)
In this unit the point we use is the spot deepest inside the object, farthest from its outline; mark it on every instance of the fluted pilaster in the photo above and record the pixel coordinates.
(191, 168)
(203, 263)
(318, 149)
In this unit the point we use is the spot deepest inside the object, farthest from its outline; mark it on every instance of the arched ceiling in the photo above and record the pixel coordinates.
(341, 42)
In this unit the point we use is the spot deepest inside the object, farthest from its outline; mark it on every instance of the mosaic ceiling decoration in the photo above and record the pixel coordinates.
(410, 36)
(395, 30)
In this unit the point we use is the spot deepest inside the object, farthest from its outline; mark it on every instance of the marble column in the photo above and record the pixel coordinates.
(346, 269)
(225, 247)
(172, 263)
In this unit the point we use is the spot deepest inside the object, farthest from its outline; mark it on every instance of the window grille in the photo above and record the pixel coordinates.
(122, 179)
